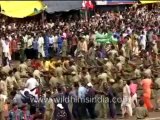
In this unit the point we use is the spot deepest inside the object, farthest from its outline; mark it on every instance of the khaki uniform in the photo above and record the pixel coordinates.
(103, 76)
(37, 74)
(109, 66)
(49, 109)
(75, 78)
(2, 103)
(64, 48)
(6, 69)
(23, 69)
(148, 72)
(119, 66)
(103, 106)
(113, 53)
(3, 86)
(157, 99)
(52, 82)
(18, 78)
(11, 82)
(137, 73)
(59, 71)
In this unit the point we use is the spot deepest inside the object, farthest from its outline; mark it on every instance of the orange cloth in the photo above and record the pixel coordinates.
(146, 84)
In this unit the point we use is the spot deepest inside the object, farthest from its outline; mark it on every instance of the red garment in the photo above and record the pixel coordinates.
(122, 40)
(74, 40)
(146, 84)
(14, 45)
(35, 64)
(147, 103)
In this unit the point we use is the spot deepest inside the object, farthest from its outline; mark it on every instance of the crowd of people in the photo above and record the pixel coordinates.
(45, 64)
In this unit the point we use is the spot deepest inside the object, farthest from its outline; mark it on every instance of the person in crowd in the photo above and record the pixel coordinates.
(15, 113)
(126, 103)
(3, 99)
(25, 113)
(141, 111)
(146, 85)
(133, 89)
(90, 104)
(35, 48)
(49, 107)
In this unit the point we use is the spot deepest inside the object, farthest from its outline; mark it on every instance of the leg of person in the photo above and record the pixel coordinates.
(74, 111)
(112, 110)
(91, 110)
(148, 103)
(129, 110)
(105, 109)
(157, 100)
(36, 54)
(123, 108)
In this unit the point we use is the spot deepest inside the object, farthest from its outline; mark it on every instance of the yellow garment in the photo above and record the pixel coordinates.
(146, 2)
(48, 65)
(53, 64)
(21, 9)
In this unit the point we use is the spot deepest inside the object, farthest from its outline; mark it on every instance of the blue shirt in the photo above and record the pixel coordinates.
(35, 44)
(82, 91)
(60, 40)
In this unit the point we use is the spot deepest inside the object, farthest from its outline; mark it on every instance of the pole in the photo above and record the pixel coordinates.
(43, 17)
(86, 14)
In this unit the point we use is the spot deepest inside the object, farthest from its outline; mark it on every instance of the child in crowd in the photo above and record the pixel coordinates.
(141, 111)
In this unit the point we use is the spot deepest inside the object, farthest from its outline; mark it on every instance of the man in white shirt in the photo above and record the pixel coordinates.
(51, 41)
(5, 49)
(41, 46)
(143, 40)
(31, 84)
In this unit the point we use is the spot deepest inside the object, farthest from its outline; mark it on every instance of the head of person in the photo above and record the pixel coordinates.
(105, 85)
(76, 85)
(141, 103)
(10, 73)
(15, 106)
(83, 84)
(124, 83)
(128, 82)
(48, 94)
(14, 70)
(59, 89)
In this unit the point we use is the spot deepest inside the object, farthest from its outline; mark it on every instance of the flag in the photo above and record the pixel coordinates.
(107, 38)
(87, 4)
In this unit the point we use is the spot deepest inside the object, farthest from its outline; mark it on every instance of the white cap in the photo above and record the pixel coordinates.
(89, 84)
(106, 59)
(73, 73)
(60, 106)
(112, 80)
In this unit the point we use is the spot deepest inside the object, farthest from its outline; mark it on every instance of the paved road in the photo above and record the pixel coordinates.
(152, 116)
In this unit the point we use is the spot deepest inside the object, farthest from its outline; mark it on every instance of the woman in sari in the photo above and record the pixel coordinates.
(146, 85)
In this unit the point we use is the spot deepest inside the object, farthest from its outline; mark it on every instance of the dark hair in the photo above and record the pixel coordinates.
(10, 72)
(141, 102)
(128, 82)
(112, 47)
(13, 93)
(14, 69)
(76, 84)
(59, 89)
